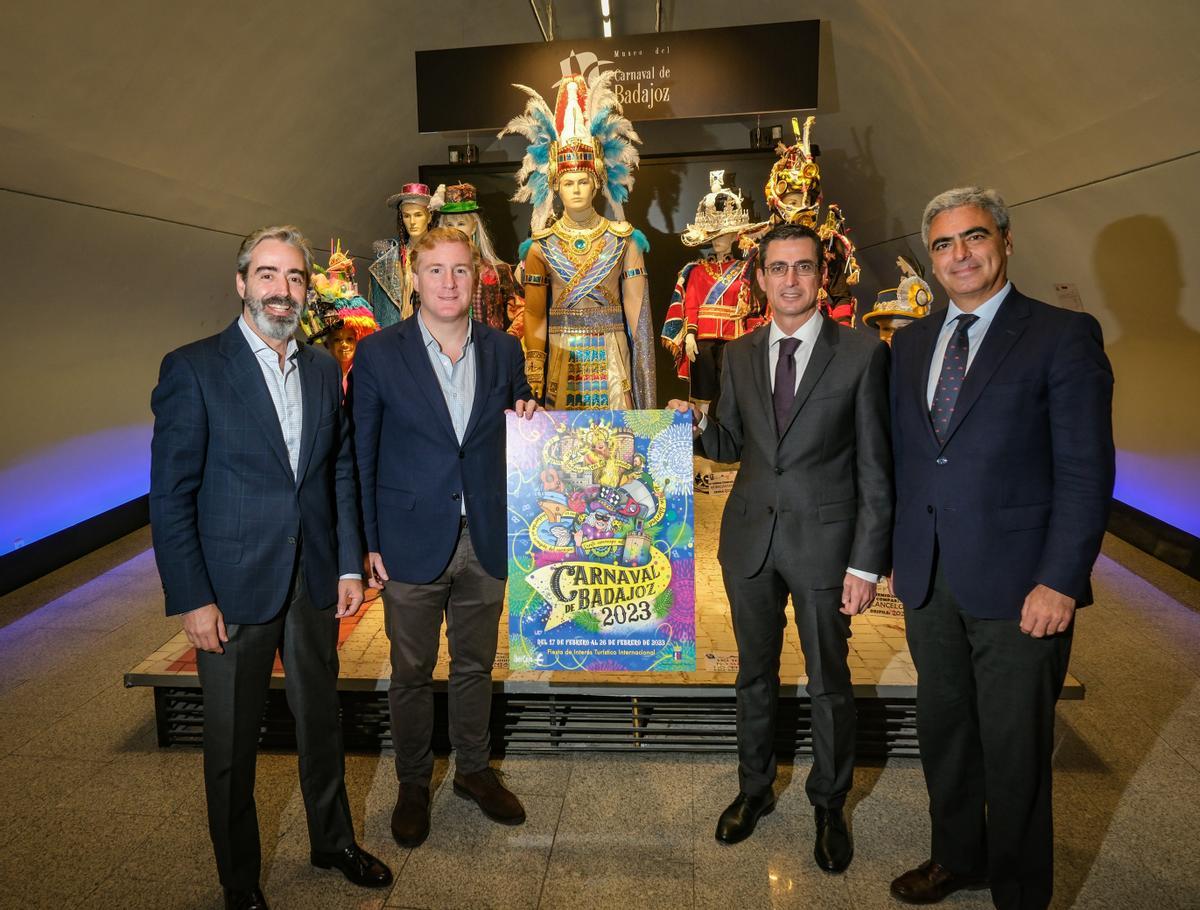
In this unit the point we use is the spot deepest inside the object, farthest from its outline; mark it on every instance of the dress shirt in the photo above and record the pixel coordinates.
(283, 385)
(457, 381)
(986, 313)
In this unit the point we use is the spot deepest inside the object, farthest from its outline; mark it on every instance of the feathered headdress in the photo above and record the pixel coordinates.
(586, 131)
(796, 171)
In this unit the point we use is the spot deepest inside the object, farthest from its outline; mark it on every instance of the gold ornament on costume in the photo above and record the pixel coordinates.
(796, 172)
(897, 307)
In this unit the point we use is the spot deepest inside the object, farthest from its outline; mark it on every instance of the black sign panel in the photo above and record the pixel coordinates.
(716, 72)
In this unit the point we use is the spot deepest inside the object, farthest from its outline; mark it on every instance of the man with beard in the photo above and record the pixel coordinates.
(255, 524)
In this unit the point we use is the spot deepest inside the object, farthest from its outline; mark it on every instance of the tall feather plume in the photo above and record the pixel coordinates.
(536, 124)
(616, 137)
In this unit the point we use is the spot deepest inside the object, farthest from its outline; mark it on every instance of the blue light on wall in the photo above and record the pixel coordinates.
(1165, 487)
(72, 482)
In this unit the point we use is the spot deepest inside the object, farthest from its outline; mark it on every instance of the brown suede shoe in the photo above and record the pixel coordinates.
(930, 883)
(410, 818)
(497, 803)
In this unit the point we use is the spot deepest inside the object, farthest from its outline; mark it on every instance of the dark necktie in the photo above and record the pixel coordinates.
(784, 394)
(954, 369)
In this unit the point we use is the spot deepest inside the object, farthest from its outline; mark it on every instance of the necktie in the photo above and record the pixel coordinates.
(784, 394)
(949, 384)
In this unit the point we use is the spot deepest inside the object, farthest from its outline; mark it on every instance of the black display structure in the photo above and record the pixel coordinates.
(662, 204)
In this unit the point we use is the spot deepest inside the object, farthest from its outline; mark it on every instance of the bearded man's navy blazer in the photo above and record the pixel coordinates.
(227, 515)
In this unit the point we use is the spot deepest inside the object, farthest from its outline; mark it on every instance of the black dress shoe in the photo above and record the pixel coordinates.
(359, 866)
(737, 822)
(834, 847)
(930, 883)
(251, 899)
(410, 818)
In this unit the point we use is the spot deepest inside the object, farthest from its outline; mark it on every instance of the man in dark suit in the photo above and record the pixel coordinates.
(255, 525)
(803, 406)
(1002, 432)
(429, 396)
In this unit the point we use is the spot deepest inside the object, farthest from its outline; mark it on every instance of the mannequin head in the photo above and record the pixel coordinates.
(467, 222)
(413, 221)
(341, 343)
(576, 190)
(723, 243)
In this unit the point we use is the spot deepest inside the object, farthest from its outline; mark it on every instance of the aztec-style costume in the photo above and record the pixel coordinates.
(897, 307)
(391, 290)
(586, 293)
(796, 172)
(497, 300)
(713, 298)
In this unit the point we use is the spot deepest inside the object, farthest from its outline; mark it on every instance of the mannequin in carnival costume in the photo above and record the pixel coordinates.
(391, 290)
(713, 302)
(794, 195)
(588, 334)
(335, 314)
(497, 299)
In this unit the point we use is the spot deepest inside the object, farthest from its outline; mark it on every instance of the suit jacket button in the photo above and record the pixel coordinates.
(462, 454)
(929, 509)
(779, 470)
(770, 510)
(292, 541)
(943, 460)
(455, 496)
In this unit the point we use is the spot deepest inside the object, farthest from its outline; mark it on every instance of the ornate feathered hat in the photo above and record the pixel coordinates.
(796, 171)
(585, 131)
(722, 211)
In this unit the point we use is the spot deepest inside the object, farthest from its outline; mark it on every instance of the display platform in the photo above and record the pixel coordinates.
(547, 711)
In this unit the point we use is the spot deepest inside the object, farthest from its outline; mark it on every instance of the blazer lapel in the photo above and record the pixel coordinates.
(823, 350)
(416, 359)
(310, 391)
(485, 354)
(928, 330)
(1002, 334)
(249, 387)
(761, 362)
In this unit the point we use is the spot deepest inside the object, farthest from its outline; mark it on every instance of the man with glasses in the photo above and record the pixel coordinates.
(804, 408)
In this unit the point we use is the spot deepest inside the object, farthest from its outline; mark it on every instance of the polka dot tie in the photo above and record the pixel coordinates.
(949, 384)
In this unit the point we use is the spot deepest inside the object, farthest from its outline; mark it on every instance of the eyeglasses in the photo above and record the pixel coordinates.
(805, 268)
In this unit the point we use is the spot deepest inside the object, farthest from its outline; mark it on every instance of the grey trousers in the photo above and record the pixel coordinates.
(235, 692)
(471, 601)
(759, 620)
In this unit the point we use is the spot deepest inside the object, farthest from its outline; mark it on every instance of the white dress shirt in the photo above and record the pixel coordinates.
(457, 382)
(986, 313)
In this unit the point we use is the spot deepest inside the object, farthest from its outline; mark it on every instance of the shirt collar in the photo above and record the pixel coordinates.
(806, 334)
(986, 311)
(432, 343)
(257, 345)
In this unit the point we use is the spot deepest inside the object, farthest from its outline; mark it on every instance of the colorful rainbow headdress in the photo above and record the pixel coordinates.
(796, 171)
(333, 299)
(722, 211)
(586, 131)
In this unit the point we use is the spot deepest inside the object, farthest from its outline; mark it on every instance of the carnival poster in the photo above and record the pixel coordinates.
(600, 541)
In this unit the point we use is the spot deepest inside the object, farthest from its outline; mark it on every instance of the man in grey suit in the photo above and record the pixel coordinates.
(804, 407)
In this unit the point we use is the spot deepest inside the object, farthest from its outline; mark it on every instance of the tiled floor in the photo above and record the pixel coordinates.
(95, 816)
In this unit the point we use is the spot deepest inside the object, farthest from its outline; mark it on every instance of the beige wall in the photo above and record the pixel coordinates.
(147, 137)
